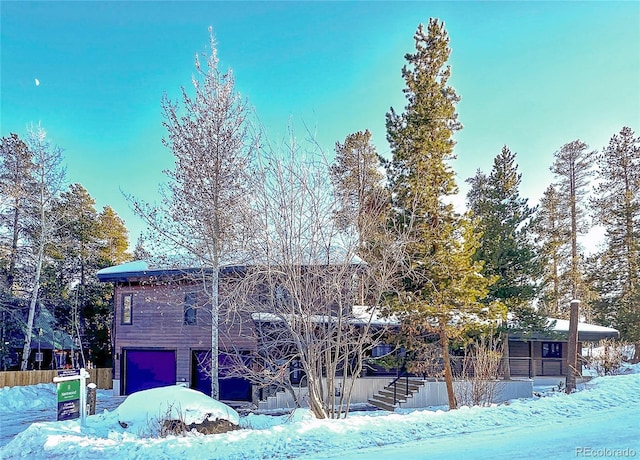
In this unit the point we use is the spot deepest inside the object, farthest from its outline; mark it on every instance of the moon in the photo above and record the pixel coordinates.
(37, 82)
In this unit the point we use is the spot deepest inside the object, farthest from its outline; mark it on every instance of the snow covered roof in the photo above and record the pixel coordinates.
(586, 332)
(560, 327)
(143, 268)
(135, 266)
(362, 315)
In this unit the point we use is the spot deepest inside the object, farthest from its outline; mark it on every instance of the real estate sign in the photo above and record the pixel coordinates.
(68, 394)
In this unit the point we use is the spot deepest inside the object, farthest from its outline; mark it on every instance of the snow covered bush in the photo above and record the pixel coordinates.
(175, 410)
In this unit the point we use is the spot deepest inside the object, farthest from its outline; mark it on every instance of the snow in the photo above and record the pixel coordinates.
(128, 267)
(601, 419)
(562, 325)
(173, 403)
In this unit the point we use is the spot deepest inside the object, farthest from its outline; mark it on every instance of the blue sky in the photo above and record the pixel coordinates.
(532, 75)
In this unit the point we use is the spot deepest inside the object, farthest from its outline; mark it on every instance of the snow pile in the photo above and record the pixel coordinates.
(141, 409)
(34, 397)
(548, 427)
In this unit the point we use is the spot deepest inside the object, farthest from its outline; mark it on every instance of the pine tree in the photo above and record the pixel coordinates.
(503, 220)
(76, 208)
(16, 186)
(616, 205)
(442, 284)
(358, 184)
(506, 248)
(114, 238)
(573, 169)
(552, 240)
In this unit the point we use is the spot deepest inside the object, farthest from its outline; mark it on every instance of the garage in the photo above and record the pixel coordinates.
(231, 388)
(145, 369)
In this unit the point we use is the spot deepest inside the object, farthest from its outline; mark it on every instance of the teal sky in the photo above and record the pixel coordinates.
(532, 75)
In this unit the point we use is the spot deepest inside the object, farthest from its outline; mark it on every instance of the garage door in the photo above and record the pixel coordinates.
(145, 369)
(231, 388)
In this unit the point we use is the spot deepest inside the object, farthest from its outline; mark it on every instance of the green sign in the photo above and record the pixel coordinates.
(69, 399)
(68, 391)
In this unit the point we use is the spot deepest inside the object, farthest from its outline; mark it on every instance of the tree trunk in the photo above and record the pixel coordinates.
(506, 368)
(315, 398)
(572, 349)
(448, 375)
(215, 386)
(13, 256)
(26, 351)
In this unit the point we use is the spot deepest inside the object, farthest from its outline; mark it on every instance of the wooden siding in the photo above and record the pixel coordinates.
(158, 322)
(526, 359)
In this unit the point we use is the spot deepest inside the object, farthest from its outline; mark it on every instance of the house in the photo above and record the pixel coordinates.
(162, 335)
(162, 331)
(51, 348)
(543, 354)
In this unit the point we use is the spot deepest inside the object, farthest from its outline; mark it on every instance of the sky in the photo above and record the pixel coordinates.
(531, 75)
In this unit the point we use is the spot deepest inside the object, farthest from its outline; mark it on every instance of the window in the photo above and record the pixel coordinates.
(281, 296)
(382, 349)
(551, 350)
(127, 310)
(190, 308)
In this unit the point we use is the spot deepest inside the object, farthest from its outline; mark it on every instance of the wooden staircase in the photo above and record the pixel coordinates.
(397, 392)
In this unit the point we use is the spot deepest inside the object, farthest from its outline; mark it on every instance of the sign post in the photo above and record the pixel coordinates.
(72, 394)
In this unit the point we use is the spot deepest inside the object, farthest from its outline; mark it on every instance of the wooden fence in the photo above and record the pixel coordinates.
(101, 377)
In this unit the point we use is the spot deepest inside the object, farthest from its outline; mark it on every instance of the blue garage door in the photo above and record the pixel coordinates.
(231, 388)
(145, 369)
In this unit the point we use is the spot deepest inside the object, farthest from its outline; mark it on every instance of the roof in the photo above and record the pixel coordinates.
(362, 315)
(143, 268)
(560, 327)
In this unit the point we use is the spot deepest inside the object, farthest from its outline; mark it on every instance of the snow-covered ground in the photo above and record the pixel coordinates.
(600, 420)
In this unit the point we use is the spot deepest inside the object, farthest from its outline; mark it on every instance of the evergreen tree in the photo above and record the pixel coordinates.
(616, 206)
(503, 220)
(573, 169)
(442, 285)
(114, 238)
(85, 242)
(506, 248)
(16, 186)
(552, 239)
(358, 183)
(80, 232)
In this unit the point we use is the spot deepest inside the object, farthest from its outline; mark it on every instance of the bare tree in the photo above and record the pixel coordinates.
(304, 284)
(199, 222)
(48, 177)
(480, 372)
